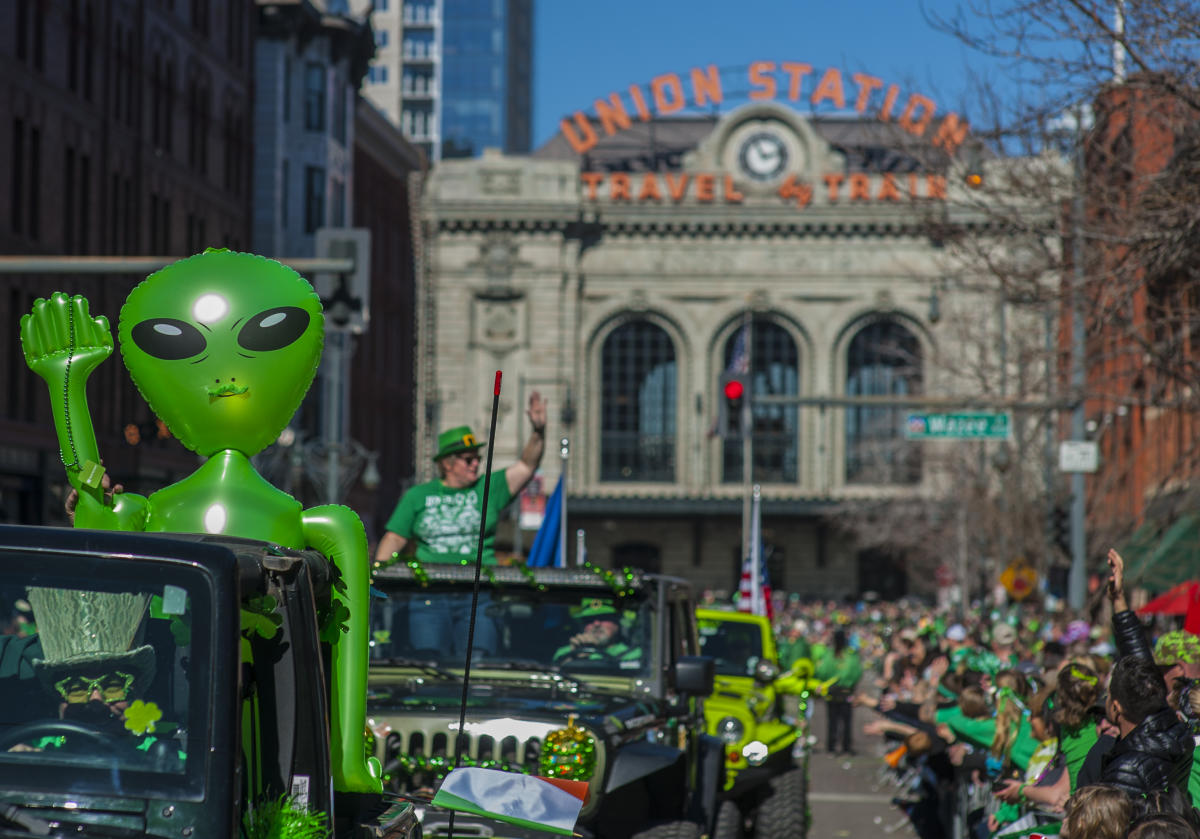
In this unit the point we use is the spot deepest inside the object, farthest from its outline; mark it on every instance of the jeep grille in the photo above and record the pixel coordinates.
(421, 757)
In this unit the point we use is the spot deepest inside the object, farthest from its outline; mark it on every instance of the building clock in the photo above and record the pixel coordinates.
(763, 156)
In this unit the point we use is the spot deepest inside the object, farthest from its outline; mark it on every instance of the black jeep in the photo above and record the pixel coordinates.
(126, 710)
(551, 692)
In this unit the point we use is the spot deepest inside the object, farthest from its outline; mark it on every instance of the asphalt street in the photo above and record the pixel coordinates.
(850, 797)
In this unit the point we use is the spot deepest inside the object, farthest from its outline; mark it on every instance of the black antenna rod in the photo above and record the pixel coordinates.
(487, 483)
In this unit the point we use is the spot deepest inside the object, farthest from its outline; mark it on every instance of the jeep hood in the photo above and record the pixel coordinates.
(510, 697)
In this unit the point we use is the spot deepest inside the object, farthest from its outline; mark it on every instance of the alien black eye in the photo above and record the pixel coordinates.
(168, 339)
(273, 329)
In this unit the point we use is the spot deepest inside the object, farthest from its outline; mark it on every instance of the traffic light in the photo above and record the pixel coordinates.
(973, 170)
(735, 404)
(1060, 528)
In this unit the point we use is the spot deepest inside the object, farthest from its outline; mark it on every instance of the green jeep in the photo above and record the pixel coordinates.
(766, 782)
(545, 697)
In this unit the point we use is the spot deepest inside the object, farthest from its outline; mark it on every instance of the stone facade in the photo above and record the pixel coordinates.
(536, 262)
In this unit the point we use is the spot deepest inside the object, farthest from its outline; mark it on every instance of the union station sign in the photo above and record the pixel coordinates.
(773, 154)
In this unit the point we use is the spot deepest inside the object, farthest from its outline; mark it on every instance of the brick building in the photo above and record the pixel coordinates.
(126, 131)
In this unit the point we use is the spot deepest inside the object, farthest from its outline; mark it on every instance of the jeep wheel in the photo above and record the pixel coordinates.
(670, 830)
(785, 810)
(730, 821)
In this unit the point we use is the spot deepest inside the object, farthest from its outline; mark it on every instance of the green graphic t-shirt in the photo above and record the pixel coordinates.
(445, 521)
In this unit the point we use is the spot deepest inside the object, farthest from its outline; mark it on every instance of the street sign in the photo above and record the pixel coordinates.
(1078, 456)
(976, 426)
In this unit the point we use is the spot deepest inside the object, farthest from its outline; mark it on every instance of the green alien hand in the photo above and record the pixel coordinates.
(63, 344)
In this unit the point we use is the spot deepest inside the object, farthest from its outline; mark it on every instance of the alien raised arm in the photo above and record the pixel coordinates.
(63, 344)
(223, 346)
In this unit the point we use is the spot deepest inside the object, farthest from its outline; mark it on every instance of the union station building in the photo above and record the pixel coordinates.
(625, 266)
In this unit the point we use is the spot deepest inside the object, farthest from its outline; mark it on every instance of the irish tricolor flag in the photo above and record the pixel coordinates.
(549, 804)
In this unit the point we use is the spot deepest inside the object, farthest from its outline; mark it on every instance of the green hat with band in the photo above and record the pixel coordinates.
(596, 607)
(455, 440)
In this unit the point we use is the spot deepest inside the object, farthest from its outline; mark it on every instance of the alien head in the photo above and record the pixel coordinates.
(223, 346)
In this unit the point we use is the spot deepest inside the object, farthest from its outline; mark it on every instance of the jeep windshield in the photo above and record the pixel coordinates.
(105, 669)
(736, 647)
(551, 633)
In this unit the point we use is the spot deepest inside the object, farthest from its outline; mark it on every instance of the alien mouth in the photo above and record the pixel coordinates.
(227, 390)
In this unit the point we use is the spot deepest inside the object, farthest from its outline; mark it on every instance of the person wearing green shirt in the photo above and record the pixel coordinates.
(793, 646)
(440, 522)
(842, 668)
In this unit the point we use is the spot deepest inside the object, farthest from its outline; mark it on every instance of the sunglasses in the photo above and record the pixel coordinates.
(112, 687)
(469, 457)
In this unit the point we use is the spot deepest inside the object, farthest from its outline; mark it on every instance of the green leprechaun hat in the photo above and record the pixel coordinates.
(89, 634)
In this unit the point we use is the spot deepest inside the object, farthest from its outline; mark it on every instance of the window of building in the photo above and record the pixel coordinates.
(377, 74)
(339, 111)
(283, 195)
(68, 200)
(774, 371)
(200, 16)
(287, 88)
(16, 181)
(195, 233)
(34, 169)
(75, 35)
(199, 103)
(339, 204)
(314, 198)
(168, 111)
(314, 96)
(381, 38)
(883, 359)
(637, 404)
(88, 50)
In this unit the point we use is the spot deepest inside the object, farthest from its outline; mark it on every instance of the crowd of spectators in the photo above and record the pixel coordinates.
(1009, 722)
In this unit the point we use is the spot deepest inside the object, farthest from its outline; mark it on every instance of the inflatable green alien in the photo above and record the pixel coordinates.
(223, 346)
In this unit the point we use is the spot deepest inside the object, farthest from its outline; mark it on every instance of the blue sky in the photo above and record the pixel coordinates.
(585, 51)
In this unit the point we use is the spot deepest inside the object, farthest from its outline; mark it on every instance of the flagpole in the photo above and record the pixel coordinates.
(563, 452)
(745, 423)
(757, 606)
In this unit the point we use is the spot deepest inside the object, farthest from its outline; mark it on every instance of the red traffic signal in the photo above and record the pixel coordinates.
(734, 405)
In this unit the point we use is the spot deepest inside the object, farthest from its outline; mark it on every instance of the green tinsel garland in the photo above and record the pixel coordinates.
(282, 819)
(622, 587)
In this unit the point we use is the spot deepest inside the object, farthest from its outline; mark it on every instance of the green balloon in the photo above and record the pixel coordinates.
(223, 346)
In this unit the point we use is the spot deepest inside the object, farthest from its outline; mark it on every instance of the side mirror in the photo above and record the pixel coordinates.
(695, 675)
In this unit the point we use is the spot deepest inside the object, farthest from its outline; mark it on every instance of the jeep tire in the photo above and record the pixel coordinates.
(731, 824)
(670, 830)
(784, 813)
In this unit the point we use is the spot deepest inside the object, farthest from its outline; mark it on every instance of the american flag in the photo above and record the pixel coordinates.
(739, 363)
(748, 600)
(754, 589)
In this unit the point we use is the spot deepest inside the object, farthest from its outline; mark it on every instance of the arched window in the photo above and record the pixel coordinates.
(884, 359)
(637, 404)
(774, 369)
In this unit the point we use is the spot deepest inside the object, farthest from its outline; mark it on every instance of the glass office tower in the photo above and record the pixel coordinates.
(487, 49)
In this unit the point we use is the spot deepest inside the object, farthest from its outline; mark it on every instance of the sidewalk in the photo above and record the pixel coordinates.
(841, 796)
